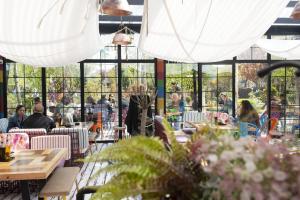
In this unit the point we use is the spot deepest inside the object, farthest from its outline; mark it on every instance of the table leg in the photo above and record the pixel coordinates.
(25, 190)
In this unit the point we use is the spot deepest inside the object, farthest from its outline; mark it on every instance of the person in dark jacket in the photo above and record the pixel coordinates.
(17, 120)
(133, 118)
(38, 120)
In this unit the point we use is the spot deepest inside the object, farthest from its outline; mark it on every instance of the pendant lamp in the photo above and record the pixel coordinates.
(296, 12)
(115, 8)
(123, 36)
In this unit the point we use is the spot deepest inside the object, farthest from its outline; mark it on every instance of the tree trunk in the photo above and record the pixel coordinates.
(17, 86)
(143, 121)
(297, 90)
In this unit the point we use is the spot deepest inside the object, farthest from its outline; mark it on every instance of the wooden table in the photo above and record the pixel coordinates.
(87, 125)
(227, 127)
(31, 165)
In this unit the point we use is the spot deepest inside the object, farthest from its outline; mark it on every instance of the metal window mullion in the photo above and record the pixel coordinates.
(5, 81)
(44, 90)
(120, 88)
(200, 89)
(82, 94)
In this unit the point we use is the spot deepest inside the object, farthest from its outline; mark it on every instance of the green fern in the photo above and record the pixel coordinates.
(144, 166)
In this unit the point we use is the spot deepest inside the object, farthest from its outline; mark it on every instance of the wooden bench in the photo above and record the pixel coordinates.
(60, 183)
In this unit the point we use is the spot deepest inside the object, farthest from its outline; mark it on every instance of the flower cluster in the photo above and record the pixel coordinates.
(243, 169)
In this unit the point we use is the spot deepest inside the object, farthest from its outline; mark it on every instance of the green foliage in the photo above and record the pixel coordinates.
(146, 166)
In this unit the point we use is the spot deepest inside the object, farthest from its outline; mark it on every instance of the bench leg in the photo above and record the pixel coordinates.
(25, 190)
(76, 183)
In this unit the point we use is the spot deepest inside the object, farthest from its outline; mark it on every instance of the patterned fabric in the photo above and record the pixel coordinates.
(31, 132)
(83, 134)
(18, 141)
(52, 141)
(192, 116)
(3, 125)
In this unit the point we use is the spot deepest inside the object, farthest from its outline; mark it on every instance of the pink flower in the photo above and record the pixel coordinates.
(257, 177)
(280, 176)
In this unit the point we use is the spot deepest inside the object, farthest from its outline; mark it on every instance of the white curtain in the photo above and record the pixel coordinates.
(289, 49)
(205, 31)
(49, 32)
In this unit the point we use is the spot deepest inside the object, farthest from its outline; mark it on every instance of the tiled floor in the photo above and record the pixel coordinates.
(83, 178)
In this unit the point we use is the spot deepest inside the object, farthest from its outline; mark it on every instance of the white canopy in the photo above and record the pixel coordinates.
(289, 49)
(205, 31)
(49, 32)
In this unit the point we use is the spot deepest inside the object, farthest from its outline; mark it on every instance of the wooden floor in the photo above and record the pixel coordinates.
(83, 178)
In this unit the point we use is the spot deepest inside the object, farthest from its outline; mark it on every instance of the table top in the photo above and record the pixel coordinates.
(32, 164)
(86, 125)
(227, 127)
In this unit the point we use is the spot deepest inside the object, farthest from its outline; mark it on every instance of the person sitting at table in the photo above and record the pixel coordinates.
(17, 120)
(225, 103)
(38, 120)
(248, 114)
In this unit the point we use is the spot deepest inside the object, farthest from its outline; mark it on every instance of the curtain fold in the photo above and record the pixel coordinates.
(49, 32)
(289, 49)
(205, 31)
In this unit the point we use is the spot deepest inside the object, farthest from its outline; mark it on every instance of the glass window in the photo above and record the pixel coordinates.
(250, 87)
(23, 85)
(285, 97)
(181, 79)
(63, 94)
(217, 88)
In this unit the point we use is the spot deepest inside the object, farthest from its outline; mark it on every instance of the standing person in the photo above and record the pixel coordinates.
(17, 120)
(225, 103)
(283, 105)
(37, 100)
(38, 119)
(248, 114)
(175, 88)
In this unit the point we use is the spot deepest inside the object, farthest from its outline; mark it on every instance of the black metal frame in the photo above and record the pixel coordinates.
(274, 30)
(233, 87)
(4, 88)
(200, 87)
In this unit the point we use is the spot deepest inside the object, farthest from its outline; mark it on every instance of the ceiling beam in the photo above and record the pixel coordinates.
(112, 28)
(136, 2)
(131, 18)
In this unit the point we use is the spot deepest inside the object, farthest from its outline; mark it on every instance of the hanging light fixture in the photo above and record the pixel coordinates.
(296, 12)
(115, 8)
(123, 36)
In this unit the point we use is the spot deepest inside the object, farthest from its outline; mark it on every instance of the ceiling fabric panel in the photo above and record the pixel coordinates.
(205, 31)
(289, 49)
(49, 33)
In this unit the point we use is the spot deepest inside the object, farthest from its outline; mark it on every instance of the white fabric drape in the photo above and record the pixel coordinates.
(205, 31)
(49, 32)
(289, 49)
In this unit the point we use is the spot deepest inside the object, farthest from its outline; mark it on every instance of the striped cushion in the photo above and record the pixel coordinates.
(82, 132)
(31, 131)
(3, 125)
(192, 116)
(52, 141)
(17, 140)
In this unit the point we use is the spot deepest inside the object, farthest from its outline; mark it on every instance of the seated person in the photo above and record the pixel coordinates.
(38, 119)
(248, 114)
(17, 120)
(225, 103)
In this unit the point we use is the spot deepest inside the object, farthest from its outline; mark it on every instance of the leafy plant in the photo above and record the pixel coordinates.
(148, 167)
